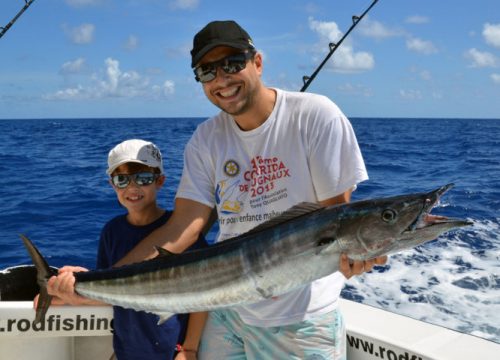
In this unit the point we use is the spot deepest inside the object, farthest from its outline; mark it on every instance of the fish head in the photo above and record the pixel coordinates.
(428, 227)
(377, 227)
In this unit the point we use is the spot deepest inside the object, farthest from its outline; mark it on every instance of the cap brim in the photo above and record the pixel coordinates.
(199, 55)
(110, 170)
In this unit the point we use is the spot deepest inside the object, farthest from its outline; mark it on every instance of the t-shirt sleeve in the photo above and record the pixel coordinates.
(197, 175)
(335, 160)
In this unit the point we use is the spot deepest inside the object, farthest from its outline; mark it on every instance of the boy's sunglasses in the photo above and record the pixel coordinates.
(231, 64)
(121, 181)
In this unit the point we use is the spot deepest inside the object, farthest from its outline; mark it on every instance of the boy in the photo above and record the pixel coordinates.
(136, 174)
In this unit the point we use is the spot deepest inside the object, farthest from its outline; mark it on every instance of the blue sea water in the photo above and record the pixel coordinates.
(54, 189)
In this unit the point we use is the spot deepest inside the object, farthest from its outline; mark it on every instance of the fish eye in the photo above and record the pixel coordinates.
(389, 215)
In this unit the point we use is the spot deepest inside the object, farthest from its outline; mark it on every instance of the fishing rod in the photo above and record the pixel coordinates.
(333, 47)
(4, 29)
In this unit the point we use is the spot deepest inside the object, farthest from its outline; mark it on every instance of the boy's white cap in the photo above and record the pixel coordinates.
(136, 151)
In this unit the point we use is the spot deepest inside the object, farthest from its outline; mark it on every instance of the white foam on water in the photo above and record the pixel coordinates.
(448, 282)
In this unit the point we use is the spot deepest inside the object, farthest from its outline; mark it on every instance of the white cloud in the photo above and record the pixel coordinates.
(113, 82)
(410, 94)
(353, 89)
(77, 3)
(417, 19)
(437, 95)
(421, 46)
(167, 89)
(329, 30)
(495, 78)
(73, 67)
(83, 34)
(481, 59)
(132, 43)
(425, 75)
(345, 58)
(491, 34)
(184, 4)
(377, 30)
(66, 94)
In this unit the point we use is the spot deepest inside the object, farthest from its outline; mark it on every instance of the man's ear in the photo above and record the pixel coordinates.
(257, 60)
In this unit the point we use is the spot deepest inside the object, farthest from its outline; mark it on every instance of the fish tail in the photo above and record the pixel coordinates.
(44, 272)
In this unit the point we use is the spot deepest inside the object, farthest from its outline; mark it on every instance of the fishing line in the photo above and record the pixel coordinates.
(4, 29)
(333, 47)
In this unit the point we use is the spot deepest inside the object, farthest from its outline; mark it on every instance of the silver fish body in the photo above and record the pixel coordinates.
(301, 245)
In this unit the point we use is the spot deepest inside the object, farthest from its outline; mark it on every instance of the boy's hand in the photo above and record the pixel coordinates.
(62, 286)
(186, 355)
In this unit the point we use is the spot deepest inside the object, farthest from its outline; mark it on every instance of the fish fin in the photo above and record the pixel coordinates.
(44, 272)
(292, 213)
(164, 316)
(163, 252)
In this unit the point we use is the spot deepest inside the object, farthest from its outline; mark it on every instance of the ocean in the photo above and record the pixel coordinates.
(55, 190)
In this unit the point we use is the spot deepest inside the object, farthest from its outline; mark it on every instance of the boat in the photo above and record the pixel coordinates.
(85, 332)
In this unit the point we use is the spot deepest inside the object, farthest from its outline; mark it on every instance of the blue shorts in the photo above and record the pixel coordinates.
(227, 337)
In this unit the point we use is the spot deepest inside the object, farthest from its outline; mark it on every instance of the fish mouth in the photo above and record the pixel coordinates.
(425, 219)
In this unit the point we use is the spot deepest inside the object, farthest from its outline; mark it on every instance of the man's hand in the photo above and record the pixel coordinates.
(350, 268)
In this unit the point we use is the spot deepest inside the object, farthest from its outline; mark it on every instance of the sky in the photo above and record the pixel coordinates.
(130, 58)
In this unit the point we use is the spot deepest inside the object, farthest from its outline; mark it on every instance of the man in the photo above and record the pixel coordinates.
(266, 151)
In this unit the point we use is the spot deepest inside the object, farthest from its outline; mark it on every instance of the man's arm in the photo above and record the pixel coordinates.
(180, 231)
(349, 267)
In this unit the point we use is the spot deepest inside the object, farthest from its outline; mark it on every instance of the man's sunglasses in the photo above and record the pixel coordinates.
(121, 181)
(231, 64)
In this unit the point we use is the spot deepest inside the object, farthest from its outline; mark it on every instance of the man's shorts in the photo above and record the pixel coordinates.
(227, 337)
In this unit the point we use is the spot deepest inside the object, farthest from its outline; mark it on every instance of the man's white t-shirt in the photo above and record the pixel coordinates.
(305, 151)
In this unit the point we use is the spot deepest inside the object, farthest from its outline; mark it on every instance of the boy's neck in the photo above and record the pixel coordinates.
(145, 217)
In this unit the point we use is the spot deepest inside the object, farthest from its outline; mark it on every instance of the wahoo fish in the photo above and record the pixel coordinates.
(301, 245)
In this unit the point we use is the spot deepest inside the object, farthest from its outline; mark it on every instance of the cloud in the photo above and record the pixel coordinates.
(491, 34)
(421, 46)
(114, 83)
(83, 34)
(166, 89)
(355, 90)
(73, 67)
(345, 58)
(81, 3)
(184, 4)
(375, 29)
(495, 78)
(410, 94)
(417, 19)
(425, 75)
(481, 59)
(437, 95)
(132, 43)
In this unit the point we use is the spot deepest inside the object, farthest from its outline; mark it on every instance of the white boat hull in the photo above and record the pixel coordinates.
(84, 333)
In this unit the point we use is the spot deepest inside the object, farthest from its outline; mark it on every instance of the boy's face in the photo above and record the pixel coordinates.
(137, 198)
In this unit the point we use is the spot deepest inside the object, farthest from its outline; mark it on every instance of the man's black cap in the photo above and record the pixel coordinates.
(219, 33)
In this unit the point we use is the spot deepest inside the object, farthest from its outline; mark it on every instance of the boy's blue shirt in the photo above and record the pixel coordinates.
(137, 334)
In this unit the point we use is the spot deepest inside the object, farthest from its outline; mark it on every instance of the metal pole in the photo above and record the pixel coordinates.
(334, 46)
(4, 29)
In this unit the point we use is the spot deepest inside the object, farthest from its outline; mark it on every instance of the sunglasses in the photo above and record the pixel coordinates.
(231, 64)
(121, 181)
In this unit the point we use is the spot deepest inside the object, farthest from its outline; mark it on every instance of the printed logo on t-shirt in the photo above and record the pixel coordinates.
(231, 168)
(261, 183)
